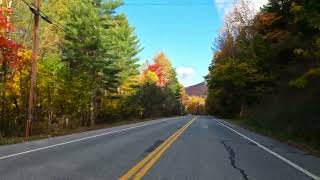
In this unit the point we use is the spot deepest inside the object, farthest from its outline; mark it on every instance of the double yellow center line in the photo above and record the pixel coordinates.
(140, 169)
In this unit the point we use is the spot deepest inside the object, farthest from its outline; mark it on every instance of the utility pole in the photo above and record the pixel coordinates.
(34, 66)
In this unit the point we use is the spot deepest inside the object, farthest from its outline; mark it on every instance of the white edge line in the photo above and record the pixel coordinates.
(82, 139)
(306, 172)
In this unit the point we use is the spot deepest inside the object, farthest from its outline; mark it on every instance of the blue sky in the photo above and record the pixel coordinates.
(185, 33)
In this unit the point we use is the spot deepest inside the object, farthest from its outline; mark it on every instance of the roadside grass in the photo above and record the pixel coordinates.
(15, 140)
(292, 117)
(299, 143)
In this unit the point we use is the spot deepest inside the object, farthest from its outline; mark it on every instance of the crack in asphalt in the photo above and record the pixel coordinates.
(232, 158)
(155, 145)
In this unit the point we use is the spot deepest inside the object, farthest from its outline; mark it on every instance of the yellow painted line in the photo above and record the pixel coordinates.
(136, 168)
(155, 155)
(148, 166)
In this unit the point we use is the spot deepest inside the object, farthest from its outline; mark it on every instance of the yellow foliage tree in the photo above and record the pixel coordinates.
(195, 105)
(149, 77)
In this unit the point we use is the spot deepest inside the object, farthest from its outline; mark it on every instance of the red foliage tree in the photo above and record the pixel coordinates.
(9, 50)
(156, 68)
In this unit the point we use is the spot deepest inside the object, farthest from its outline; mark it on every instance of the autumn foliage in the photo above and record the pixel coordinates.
(266, 71)
(162, 68)
(10, 51)
(160, 91)
(88, 71)
(195, 105)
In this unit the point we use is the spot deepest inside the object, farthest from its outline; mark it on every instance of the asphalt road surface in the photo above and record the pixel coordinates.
(186, 147)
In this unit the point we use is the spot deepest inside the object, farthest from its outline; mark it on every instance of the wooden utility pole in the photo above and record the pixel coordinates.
(34, 66)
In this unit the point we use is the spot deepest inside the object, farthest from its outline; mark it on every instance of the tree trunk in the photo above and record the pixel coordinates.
(50, 111)
(23, 96)
(3, 94)
(15, 102)
(92, 109)
(243, 108)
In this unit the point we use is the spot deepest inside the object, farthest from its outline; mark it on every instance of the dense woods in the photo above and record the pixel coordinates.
(88, 70)
(194, 105)
(266, 71)
(159, 91)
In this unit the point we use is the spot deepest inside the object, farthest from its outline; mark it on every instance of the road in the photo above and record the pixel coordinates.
(186, 147)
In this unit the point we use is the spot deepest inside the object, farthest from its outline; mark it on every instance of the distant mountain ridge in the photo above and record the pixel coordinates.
(197, 90)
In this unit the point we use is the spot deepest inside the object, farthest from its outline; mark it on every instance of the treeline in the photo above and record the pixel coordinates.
(195, 105)
(87, 70)
(159, 92)
(266, 69)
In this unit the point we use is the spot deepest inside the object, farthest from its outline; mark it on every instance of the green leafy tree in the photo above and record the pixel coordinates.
(266, 69)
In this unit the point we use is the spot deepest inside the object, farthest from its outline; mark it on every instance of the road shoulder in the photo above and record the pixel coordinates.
(12, 149)
(297, 156)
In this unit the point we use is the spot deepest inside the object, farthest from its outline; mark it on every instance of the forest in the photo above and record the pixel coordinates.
(87, 72)
(265, 71)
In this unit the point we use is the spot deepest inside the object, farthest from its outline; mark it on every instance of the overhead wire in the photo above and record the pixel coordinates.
(46, 18)
(185, 4)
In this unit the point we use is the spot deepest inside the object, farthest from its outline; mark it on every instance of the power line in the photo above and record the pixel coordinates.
(47, 19)
(31, 5)
(167, 4)
(183, 4)
(37, 12)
